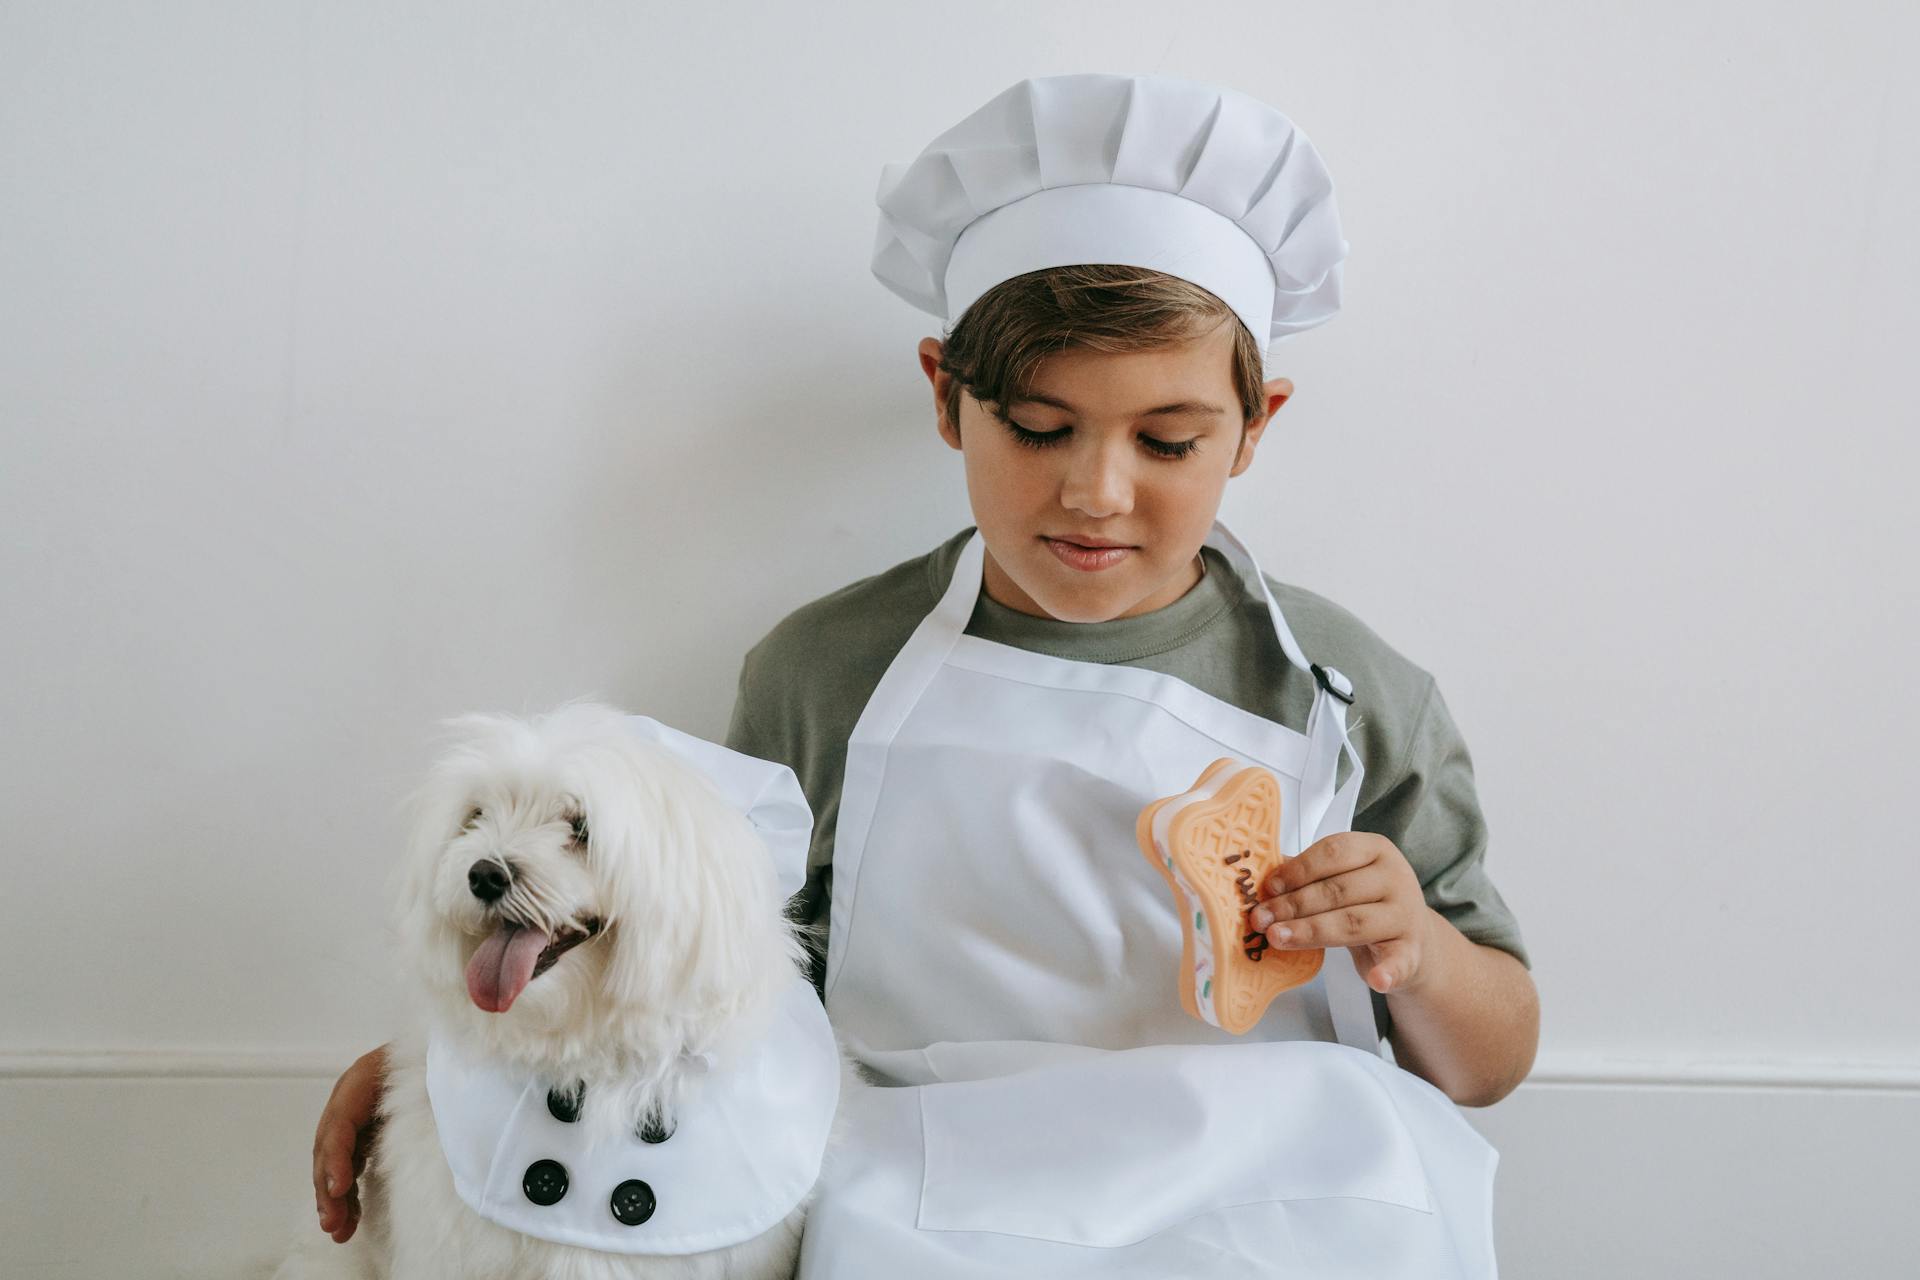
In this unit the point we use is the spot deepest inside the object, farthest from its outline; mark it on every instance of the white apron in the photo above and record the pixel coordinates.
(1001, 952)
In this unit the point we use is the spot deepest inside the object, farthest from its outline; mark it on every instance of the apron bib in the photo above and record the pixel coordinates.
(1001, 953)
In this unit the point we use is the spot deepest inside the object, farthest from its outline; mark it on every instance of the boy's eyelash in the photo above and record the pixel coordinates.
(1044, 439)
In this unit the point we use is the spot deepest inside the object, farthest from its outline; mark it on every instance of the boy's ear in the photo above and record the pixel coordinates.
(1278, 391)
(931, 349)
(949, 430)
(930, 352)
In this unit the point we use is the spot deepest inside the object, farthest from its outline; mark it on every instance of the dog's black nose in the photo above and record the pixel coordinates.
(488, 880)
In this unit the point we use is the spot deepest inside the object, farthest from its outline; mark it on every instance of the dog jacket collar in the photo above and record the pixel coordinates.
(743, 1152)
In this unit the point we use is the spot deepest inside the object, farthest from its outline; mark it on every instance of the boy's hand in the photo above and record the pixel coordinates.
(1466, 1016)
(341, 1142)
(1354, 889)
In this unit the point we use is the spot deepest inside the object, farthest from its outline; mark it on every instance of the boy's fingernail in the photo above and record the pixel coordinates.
(1262, 917)
(1282, 934)
(333, 1185)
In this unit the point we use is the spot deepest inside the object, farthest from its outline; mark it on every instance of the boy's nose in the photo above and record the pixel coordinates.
(1100, 483)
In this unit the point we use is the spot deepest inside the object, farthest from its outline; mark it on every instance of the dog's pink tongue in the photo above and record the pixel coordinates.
(502, 967)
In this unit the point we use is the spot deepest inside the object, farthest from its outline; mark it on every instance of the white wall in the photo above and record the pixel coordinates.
(362, 364)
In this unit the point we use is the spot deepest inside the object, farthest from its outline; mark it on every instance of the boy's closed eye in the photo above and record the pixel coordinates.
(1042, 439)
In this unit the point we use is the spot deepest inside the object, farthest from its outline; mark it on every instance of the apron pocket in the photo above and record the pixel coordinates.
(1112, 1150)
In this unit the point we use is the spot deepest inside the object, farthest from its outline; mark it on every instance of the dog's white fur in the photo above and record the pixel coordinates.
(693, 946)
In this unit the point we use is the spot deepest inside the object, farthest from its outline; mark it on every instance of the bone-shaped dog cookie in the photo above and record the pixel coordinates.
(1215, 845)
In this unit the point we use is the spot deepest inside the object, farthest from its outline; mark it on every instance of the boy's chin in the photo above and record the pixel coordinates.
(1089, 602)
(1080, 611)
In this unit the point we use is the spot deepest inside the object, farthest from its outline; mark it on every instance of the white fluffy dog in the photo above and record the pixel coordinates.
(578, 905)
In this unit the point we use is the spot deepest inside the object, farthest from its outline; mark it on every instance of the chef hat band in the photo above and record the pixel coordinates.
(1203, 183)
(1130, 225)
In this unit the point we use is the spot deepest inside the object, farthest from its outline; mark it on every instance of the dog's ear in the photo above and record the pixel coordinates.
(433, 813)
(430, 816)
(574, 810)
(701, 922)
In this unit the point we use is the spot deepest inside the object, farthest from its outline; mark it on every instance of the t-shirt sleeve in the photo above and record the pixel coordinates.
(743, 734)
(1432, 813)
(807, 908)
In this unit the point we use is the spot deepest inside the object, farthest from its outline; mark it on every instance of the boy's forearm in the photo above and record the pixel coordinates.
(1471, 1024)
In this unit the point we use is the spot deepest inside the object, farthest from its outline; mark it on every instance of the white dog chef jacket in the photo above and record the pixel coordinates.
(740, 1156)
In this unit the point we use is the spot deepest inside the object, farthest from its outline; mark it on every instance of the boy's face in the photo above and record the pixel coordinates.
(1103, 468)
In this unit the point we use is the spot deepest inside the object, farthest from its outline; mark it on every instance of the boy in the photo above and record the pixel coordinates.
(1100, 405)
(1428, 926)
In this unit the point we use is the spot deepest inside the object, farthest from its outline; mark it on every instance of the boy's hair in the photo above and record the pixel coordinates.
(999, 342)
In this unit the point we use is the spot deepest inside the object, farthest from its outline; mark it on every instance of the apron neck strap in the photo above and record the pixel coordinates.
(1240, 556)
(1321, 811)
(963, 589)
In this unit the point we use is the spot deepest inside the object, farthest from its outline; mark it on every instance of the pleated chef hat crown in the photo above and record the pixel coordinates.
(1204, 183)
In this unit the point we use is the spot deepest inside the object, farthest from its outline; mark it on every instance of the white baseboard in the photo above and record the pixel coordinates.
(1571, 1071)
(171, 1064)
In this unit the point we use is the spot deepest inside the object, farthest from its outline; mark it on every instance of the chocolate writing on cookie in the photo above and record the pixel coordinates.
(1253, 943)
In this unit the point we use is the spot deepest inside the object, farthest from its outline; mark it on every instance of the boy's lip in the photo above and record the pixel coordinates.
(1096, 544)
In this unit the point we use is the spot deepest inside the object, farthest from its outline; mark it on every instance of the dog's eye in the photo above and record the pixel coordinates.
(579, 824)
(473, 816)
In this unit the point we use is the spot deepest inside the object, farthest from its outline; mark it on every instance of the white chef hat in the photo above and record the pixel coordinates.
(1204, 183)
(766, 791)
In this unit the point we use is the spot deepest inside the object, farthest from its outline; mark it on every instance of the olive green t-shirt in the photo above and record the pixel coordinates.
(804, 685)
